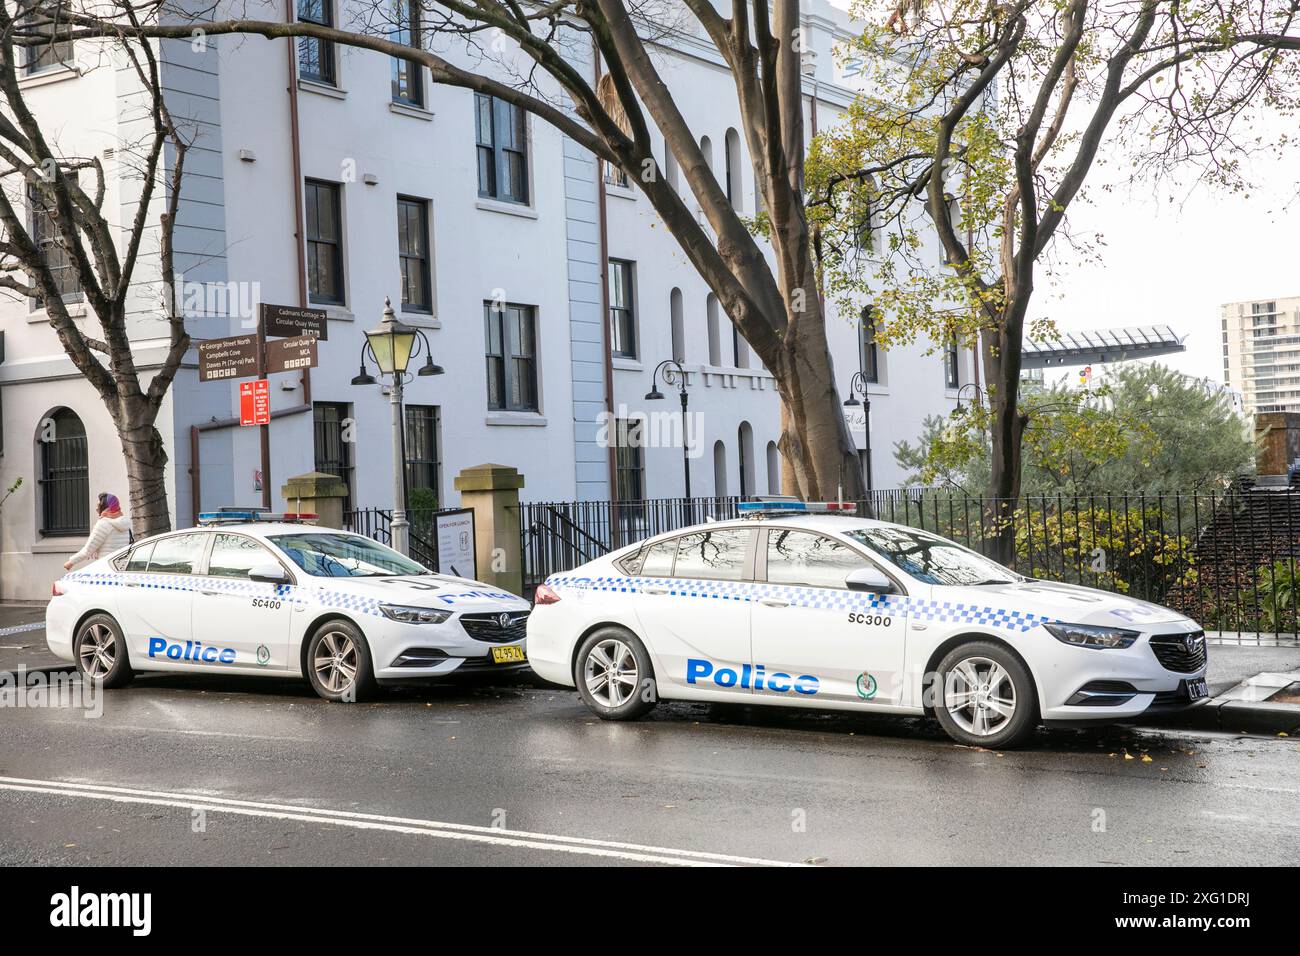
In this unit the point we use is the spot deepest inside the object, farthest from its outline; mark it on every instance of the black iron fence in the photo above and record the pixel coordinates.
(377, 523)
(1226, 558)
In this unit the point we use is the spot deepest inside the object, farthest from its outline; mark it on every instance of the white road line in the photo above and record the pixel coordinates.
(634, 852)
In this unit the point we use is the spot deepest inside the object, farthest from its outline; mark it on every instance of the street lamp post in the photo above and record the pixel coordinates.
(671, 371)
(858, 386)
(392, 345)
(979, 396)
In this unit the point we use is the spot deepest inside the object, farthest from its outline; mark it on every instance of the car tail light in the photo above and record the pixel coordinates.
(545, 595)
(56, 590)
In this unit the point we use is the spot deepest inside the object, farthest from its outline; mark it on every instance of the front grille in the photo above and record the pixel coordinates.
(1173, 654)
(488, 627)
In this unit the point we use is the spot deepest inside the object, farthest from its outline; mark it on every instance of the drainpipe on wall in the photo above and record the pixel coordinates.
(295, 152)
(612, 431)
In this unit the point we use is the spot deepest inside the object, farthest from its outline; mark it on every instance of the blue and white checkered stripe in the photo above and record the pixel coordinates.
(833, 599)
(234, 586)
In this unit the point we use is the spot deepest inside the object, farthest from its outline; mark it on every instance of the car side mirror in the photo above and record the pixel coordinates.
(268, 574)
(869, 579)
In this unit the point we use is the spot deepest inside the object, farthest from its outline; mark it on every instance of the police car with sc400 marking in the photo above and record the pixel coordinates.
(253, 593)
(809, 606)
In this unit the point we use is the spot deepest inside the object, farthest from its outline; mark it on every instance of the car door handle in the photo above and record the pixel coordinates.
(653, 589)
(132, 584)
(774, 602)
(209, 593)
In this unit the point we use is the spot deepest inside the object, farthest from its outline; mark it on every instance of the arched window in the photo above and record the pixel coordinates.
(745, 444)
(706, 147)
(64, 474)
(773, 469)
(739, 349)
(715, 329)
(731, 144)
(678, 324)
(670, 168)
(719, 469)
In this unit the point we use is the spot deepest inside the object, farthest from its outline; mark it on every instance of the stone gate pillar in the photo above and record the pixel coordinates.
(492, 492)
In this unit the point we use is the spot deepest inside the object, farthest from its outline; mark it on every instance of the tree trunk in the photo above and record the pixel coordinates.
(146, 471)
(820, 459)
(1002, 373)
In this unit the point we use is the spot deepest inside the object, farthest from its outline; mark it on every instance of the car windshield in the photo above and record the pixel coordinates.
(932, 559)
(344, 556)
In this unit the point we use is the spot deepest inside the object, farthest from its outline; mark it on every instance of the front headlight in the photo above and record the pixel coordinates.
(1087, 635)
(413, 615)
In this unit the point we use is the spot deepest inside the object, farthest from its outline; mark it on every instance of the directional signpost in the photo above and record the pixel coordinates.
(296, 331)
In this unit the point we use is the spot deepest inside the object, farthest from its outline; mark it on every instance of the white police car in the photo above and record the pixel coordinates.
(249, 594)
(792, 607)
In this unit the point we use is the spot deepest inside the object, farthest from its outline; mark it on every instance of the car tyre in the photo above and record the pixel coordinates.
(338, 663)
(101, 653)
(984, 696)
(614, 675)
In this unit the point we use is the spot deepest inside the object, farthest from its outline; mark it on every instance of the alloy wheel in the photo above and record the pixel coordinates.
(979, 695)
(335, 662)
(98, 651)
(611, 672)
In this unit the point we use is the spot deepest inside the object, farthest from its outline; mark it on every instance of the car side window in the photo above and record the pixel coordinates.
(717, 555)
(812, 560)
(138, 559)
(234, 555)
(658, 562)
(177, 555)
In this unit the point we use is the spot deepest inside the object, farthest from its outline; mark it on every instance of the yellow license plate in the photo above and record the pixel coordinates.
(508, 655)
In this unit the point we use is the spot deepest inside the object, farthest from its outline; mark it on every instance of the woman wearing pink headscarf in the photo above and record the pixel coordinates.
(112, 531)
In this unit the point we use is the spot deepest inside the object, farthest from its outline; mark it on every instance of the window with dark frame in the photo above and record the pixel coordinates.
(511, 340)
(46, 56)
(502, 138)
(44, 232)
(622, 315)
(316, 56)
(870, 355)
(413, 254)
(629, 459)
(64, 481)
(334, 452)
(423, 467)
(324, 242)
(951, 375)
(408, 75)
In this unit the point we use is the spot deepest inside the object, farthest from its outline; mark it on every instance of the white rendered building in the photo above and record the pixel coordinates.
(474, 206)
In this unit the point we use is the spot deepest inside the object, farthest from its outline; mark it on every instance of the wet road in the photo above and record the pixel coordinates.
(184, 770)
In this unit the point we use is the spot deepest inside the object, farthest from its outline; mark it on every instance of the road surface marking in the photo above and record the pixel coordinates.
(634, 852)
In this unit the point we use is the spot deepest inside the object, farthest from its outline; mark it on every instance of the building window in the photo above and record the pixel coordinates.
(423, 469)
(951, 378)
(334, 434)
(629, 459)
(622, 314)
(739, 349)
(731, 148)
(502, 149)
(714, 322)
(45, 234)
(51, 54)
(413, 254)
(64, 475)
(616, 176)
(719, 469)
(869, 355)
(511, 357)
(408, 79)
(745, 450)
(678, 322)
(324, 242)
(316, 57)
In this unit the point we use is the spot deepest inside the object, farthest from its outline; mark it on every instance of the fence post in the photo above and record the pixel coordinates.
(492, 493)
(316, 493)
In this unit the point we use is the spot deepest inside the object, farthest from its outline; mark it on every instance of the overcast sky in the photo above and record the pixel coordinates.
(1175, 257)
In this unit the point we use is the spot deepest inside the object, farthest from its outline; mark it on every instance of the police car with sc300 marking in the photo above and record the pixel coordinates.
(251, 593)
(787, 606)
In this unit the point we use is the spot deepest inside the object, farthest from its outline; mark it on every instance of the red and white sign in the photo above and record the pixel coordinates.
(255, 402)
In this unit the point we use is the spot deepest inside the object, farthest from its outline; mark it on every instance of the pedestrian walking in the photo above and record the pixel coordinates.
(112, 530)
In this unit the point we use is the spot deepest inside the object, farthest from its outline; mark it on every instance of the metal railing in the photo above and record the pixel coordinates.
(377, 523)
(1226, 558)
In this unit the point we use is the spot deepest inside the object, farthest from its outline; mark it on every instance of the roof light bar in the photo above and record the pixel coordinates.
(236, 516)
(791, 506)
